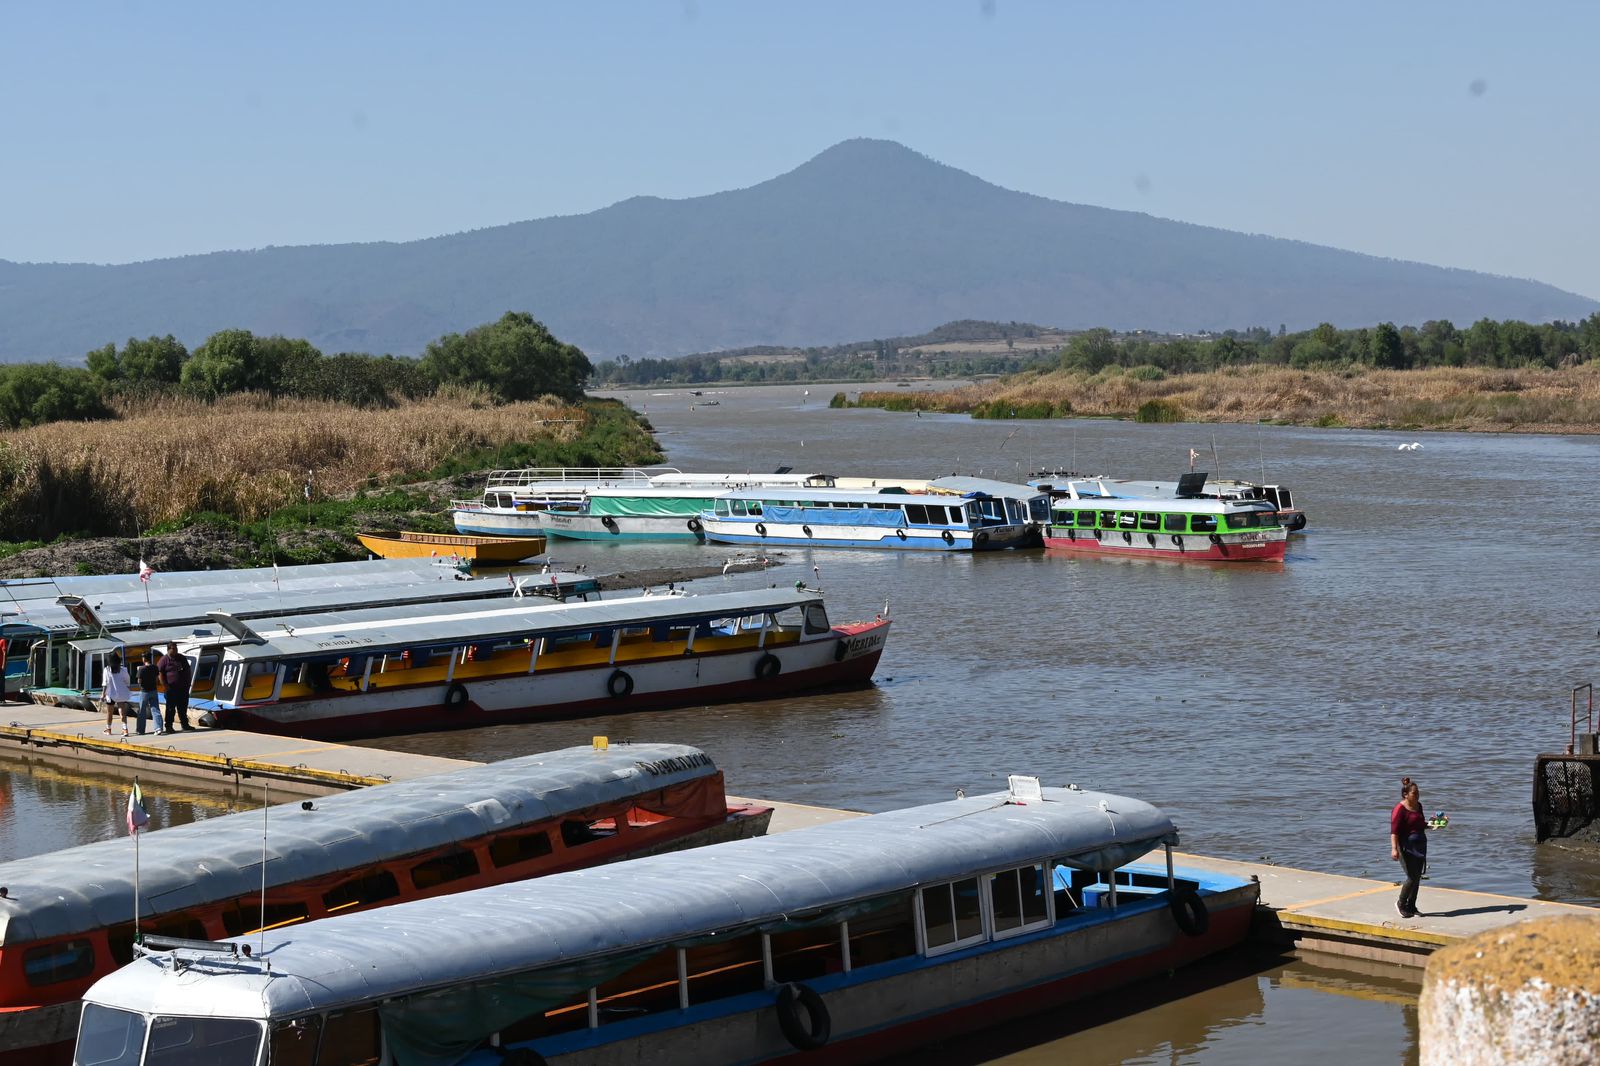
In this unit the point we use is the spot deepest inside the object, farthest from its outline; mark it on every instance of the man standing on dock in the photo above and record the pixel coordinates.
(176, 675)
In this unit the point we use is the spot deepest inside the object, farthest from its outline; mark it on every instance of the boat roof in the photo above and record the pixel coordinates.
(889, 494)
(467, 623)
(966, 486)
(678, 478)
(1086, 494)
(661, 899)
(186, 598)
(212, 633)
(77, 889)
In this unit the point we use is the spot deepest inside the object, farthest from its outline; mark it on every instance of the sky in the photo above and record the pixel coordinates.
(1462, 134)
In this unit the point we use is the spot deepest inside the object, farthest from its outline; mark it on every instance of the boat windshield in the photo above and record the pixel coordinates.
(109, 1037)
(178, 1041)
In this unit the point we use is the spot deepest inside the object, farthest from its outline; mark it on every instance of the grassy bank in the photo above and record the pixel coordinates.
(239, 465)
(1566, 400)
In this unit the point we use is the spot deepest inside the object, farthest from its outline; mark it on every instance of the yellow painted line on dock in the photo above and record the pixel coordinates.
(1335, 899)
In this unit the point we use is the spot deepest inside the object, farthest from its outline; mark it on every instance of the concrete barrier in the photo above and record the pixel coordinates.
(1524, 995)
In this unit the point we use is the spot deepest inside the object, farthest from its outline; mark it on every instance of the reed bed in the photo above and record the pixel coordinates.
(1566, 400)
(243, 456)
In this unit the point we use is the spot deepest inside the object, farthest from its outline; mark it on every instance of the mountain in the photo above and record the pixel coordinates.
(867, 239)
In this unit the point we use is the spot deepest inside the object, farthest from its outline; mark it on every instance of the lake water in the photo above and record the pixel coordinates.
(1430, 622)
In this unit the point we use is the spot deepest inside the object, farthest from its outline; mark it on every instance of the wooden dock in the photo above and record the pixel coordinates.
(1328, 913)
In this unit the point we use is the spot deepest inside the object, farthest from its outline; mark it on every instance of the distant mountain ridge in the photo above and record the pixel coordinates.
(867, 239)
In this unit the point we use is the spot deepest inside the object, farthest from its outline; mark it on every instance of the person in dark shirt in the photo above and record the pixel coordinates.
(176, 676)
(149, 694)
(1408, 843)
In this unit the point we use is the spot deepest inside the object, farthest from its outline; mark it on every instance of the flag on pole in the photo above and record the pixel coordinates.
(145, 571)
(511, 579)
(1193, 455)
(137, 818)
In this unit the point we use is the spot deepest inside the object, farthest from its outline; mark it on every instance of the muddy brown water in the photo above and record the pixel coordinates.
(1430, 622)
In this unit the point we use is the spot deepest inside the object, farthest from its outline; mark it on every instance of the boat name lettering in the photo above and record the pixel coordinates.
(1252, 537)
(676, 764)
(338, 642)
(862, 645)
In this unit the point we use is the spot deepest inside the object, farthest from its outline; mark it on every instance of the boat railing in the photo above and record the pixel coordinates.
(510, 479)
(1588, 714)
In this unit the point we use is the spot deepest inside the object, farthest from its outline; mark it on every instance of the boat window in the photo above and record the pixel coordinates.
(816, 619)
(109, 1037)
(886, 932)
(1017, 900)
(1175, 523)
(240, 917)
(1203, 523)
(294, 1043)
(1039, 509)
(952, 915)
(1149, 521)
(202, 1041)
(566, 640)
(723, 507)
(441, 869)
(65, 960)
(755, 507)
(181, 925)
(1284, 499)
(740, 507)
(1127, 519)
(916, 514)
(806, 954)
(728, 967)
(576, 832)
(1066, 518)
(1085, 519)
(512, 848)
(351, 1039)
(369, 888)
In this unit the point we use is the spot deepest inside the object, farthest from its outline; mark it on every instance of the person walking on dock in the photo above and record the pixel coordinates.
(176, 675)
(1408, 843)
(149, 693)
(118, 691)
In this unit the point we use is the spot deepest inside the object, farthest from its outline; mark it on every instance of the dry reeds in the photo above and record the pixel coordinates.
(243, 456)
(1445, 398)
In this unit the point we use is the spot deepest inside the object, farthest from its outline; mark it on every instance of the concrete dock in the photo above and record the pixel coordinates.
(1327, 913)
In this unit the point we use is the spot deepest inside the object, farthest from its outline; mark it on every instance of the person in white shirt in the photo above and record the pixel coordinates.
(119, 692)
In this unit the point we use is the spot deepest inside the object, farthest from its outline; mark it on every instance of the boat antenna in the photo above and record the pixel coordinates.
(1216, 464)
(262, 952)
(1261, 447)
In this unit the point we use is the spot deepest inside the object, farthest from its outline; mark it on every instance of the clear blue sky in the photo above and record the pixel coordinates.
(1464, 134)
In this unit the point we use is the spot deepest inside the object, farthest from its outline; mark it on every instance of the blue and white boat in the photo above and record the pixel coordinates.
(866, 937)
(888, 519)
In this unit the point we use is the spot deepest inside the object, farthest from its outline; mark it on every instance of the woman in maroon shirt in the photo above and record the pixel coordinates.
(1408, 842)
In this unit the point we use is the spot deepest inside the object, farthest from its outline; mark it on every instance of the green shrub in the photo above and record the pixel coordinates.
(1158, 411)
(1146, 372)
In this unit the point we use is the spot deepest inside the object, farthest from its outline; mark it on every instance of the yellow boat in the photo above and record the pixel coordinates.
(494, 551)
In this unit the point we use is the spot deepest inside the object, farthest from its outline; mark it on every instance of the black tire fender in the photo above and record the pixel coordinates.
(1215, 538)
(1177, 540)
(1098, 534)
(619, 684)
(768, 666)
(761, 529)
(948, 537)
(455, 695)
(803, 1017)
(694, 525)
(900, 533)
(1127, 538)
(1072, 534)
(806, 530)
(1150, 538)
(980, 538)
(609, 522)
(1189, 911)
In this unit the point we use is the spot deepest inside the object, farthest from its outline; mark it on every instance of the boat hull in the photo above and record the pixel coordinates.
(918, 1001)
(905, 538)
(498, 523)
(1265, 546)
(845, 658)
(478, 549)
(619, 527)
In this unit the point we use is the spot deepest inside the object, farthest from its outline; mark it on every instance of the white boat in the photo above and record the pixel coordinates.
(841, 943)
(512, 500)
(890, 519)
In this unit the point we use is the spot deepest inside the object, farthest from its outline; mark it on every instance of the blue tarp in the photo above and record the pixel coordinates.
(836, 516)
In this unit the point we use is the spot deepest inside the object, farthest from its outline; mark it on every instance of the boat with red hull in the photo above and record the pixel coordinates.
(1088, 517)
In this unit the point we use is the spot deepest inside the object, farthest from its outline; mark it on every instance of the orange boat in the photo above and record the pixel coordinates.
(494, 551)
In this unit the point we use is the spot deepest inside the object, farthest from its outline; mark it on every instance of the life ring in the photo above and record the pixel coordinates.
(761, 529)
(1214, 538)
(619, 684)
(694, 525)
(806, 530)
(768, 666)
(980, 538)
(948, 537)
(1127, 538)
(455, 695)
(811, 1031)
(609, 522)
(841, 650)
(900, 533)
(1189, 911)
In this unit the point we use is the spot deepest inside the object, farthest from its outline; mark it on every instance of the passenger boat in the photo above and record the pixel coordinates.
(512, 499)
(1087, 516)
(44, 616)
(841, 943)
(69, 672)
(491, 551)
(473, 665)
(66, 917)
(1195, 484)
(888, 518)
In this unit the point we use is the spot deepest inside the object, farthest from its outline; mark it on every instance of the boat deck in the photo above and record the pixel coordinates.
(1330, 913)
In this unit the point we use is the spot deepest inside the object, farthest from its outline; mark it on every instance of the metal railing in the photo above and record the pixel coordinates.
(1588, 718)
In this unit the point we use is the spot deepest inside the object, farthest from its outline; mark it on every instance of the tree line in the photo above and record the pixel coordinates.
(1485, 343)
(514, 358)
